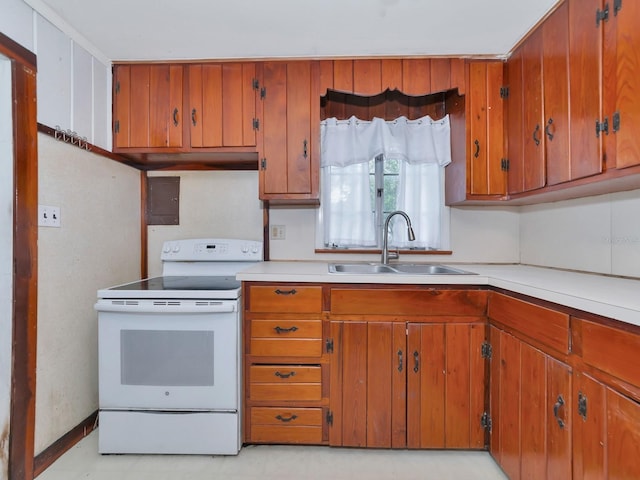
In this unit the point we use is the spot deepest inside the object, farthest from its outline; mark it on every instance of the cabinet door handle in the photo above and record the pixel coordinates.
(477, 152)
(399, 360)
(293, 291)
(193, 117)
(175, 117)
(416, 361)
(285, 375)
(286, 419)
(304, 148)
(536, 138)
(556, 407)
(285, 330)
(547, 130)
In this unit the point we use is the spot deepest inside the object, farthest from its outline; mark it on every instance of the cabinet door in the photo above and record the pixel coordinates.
(486, 125)
(368, 384)
(148, 106)
(622, 84)
(585, 67)
(445, 386)
(589, 428)
(286, 171)
(555, 66)
(222, 104)
(515, 124)
(533, 136)
(623, 436)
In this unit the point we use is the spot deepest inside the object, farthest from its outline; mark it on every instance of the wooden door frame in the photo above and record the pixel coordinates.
(25, 259)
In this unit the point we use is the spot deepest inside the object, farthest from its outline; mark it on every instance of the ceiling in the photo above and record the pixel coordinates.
(236, 29)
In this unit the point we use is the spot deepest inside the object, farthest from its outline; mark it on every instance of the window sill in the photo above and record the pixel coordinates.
(379, 252)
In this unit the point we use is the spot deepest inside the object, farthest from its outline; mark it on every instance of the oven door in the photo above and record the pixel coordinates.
(169, 360)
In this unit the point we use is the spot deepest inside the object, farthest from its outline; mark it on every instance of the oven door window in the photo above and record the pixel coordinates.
(167, 358)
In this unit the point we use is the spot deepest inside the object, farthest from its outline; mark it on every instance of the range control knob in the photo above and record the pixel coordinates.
(245, 249)
(166, 248)
(176, 248)
(255, 249)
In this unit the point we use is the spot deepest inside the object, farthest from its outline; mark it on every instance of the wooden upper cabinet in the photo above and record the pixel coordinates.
(148, 106)
(585, 70)
(486, 129)
(555, 66)
(622, 84)
(222, 104)
(288, 172)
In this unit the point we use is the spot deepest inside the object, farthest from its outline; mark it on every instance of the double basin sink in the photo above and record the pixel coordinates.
(395, 269)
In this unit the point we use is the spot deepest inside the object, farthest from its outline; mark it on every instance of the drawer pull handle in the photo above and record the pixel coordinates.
(286, 292)
(556, 407)
(285, 330)
(175, 117)
(285, 375)
(286, 419)
(416, 361)
(477, 152)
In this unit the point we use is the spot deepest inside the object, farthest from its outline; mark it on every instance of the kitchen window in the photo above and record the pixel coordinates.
(371, 168)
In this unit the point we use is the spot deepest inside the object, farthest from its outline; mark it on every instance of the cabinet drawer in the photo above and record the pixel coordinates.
(286, 425)
(285, 382)
(424, 302)
(285, 299)
(286, 329)
(289, 417)
(286, 338)
(609, 349)
(539, 323)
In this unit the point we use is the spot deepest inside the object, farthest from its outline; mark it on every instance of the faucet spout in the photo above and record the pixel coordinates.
(385, 242)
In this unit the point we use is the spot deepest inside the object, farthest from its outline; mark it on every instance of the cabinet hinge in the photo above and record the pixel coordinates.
(504, 164)
(329, 417)
(602, 15)
(116, 126)
(487, 350)
(504, 92)
(117, 87)
(256, 124)
(329, 345)
(263, 164)
(617, 5)
(582, 405)
(602, 127)
(615, 122)
(485, 421)
(255, 84)
(263, 93)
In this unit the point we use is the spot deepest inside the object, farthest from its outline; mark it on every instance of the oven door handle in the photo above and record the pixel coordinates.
(206, 306)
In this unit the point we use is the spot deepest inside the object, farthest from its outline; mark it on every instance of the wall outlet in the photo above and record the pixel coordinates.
(48, 216)
(278, 232)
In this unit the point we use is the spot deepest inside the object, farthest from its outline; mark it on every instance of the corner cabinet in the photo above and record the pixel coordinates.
(290, 136)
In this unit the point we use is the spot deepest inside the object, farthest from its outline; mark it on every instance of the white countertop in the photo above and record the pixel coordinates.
(613, 297)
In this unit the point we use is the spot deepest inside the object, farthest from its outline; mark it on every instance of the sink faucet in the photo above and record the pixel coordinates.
(385, 243)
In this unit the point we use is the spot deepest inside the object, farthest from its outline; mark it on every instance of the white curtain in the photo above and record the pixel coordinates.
(422, 146)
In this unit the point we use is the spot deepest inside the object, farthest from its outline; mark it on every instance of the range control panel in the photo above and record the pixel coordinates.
(212, 250)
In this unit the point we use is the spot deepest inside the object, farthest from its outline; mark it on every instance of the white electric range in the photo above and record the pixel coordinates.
(169, 353)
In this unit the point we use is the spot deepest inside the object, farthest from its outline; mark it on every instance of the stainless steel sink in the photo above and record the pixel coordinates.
(360, 268)
(395, 269)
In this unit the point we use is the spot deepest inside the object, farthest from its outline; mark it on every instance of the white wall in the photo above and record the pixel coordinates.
(212, 204)
(6, 259)
(478, 234)
(97, 245)
(74, 79)
(598, 234)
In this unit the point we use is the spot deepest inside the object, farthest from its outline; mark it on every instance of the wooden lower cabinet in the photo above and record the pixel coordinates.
(531, 402)
(403, 384)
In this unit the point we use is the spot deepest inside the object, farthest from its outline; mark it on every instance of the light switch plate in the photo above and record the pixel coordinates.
(48, 216)
(278, 232)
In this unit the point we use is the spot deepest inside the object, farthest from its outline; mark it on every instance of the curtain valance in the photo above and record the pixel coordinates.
(354, 141)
